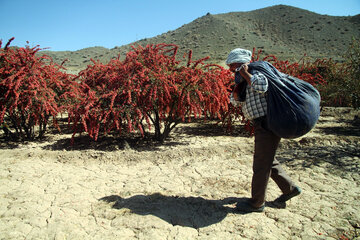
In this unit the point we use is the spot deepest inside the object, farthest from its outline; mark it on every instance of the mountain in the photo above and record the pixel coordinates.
(284, 31)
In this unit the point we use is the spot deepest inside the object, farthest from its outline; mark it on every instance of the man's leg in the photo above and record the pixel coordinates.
(280, 177)
(266, 144)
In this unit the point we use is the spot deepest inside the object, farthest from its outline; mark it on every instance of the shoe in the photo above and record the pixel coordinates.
(275, 204)
(286, 197)
(246, 207)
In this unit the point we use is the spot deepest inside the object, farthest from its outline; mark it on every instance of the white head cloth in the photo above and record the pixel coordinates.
(239, 55)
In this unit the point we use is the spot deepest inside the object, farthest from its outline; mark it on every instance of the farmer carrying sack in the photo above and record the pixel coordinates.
(293, 104)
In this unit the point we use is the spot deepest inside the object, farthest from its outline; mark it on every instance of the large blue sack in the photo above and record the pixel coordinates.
(293, 104)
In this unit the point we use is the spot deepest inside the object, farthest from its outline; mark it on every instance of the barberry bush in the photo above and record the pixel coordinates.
(342, 88)
(30, 89)
(150, 90)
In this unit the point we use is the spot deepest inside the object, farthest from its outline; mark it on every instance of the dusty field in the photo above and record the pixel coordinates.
(185, 189)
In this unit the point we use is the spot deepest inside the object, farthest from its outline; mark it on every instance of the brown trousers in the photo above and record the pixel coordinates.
(265, 165)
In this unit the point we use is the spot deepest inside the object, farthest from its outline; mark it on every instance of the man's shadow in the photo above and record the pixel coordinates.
(194, 212)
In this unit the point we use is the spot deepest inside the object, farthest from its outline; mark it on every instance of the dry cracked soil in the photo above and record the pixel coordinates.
(186, 188)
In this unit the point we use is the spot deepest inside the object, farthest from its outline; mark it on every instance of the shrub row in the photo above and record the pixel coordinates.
(150, 90)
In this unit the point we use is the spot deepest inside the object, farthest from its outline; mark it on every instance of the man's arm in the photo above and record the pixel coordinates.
(258, 81)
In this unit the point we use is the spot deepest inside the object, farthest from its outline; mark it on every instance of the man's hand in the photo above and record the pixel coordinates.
(244, 71)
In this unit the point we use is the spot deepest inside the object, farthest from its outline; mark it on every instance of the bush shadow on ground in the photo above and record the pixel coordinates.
(134, 141)
(62, 140)
(6, 144)
(352, 128)
(344, 131)
(110, 143)
(212, 129)
(336, 159)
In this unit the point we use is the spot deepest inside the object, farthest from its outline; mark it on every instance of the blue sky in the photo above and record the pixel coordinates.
(76, 24)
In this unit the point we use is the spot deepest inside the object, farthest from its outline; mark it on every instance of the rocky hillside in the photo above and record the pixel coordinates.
(284, 31)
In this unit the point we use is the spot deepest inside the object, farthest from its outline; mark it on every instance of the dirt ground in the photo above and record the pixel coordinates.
(186, 188)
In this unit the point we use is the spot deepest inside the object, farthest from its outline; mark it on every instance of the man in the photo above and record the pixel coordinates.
(254, 107)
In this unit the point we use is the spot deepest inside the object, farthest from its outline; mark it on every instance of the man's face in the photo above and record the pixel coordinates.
(234, 66)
